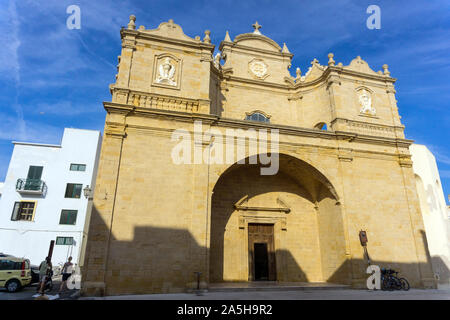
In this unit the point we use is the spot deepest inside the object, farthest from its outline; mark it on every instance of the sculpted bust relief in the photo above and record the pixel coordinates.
(166, 73)
(366, 103)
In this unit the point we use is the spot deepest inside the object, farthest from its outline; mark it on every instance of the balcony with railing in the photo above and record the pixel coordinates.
(31, 186)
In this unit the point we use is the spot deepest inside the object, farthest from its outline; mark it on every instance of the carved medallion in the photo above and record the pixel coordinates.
(258, 68)
(167, 71)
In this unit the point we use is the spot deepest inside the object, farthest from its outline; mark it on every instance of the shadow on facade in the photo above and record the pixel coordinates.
(419, 275)
(164, 260)
(154, 260)
(218, 100)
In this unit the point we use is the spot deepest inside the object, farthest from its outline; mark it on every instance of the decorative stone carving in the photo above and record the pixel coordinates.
(285, 49)
(258, 68)
(360, 65)
(386, 70)
(242, 204)
(331, 61)
(314, 72)
(207, 38)
(131, 24)
(298, 73)
(217, 60)
(365, 100)
(167, 71)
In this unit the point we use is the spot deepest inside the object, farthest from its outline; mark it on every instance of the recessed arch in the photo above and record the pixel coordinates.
(299, 197)
(297, 169)
(360, 88)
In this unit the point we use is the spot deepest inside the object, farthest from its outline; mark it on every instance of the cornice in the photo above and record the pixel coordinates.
(341, 70)
(233, 45)
(244, 124)
(199, 45)
(302, 87)
(343, 154)
(334, 71)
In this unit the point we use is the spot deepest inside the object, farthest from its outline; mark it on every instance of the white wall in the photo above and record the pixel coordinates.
(434, 211)
(31, 239)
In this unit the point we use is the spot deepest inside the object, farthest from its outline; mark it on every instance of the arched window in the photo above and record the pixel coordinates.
(257, 116)
(321, 126)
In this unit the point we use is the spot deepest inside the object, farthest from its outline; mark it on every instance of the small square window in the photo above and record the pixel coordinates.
(73, 190)
(77, 167)
(68, 217)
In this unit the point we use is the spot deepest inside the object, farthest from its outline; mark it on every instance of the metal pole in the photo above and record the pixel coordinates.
(198, 283)
(198, 279)
(50, 250)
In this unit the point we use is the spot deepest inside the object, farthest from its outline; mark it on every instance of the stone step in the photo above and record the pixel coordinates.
(273, 286)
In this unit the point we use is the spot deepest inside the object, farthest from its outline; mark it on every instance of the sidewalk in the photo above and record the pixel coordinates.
(345, 294)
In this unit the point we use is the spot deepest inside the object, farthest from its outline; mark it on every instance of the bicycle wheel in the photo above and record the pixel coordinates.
(384, 284)
(404, 283)
(390, 284)
(396, 283)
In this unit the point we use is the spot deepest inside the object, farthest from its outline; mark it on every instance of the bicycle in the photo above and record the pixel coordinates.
(391, 282)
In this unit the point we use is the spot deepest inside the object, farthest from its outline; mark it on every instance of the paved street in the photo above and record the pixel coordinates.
(28, 292)
(345, 294)
(287, 294)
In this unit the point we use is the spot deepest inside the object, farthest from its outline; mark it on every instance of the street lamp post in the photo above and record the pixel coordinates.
(87, 192)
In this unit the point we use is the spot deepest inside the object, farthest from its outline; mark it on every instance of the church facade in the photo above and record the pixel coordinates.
(230, 166)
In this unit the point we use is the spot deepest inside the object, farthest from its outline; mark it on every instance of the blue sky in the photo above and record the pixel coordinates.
(52, 77)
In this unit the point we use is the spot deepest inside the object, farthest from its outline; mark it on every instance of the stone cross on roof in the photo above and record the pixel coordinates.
(256, 26)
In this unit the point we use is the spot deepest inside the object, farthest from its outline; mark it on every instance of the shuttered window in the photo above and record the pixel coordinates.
(68, 217)
(35, 172)
(77, 167)
(68, 241)
(73, 190)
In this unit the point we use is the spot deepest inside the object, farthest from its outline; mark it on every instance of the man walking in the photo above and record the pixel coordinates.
(44, 269)
(66, 273)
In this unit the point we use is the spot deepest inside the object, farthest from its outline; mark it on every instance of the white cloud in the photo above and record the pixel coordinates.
(9, 56)
(65, 108)
(9, 25)
(33, 131)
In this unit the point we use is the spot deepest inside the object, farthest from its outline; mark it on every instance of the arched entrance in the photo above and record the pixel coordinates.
(285, 227)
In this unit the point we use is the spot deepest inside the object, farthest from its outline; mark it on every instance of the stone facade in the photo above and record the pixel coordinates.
(156, 222)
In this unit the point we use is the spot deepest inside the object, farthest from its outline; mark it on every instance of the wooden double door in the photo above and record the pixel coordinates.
(262, 265)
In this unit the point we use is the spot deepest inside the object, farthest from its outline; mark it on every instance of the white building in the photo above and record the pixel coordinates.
(43, 198)
(434, 211)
